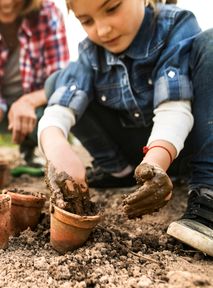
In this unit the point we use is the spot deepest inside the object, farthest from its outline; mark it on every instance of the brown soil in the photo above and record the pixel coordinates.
(67, 194)
(119, 253)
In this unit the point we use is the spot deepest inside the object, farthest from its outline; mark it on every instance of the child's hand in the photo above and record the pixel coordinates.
(50, 179)
(63, 187)
(154, 192)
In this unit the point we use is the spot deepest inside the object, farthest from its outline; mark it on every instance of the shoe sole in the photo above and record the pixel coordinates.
(193, 234)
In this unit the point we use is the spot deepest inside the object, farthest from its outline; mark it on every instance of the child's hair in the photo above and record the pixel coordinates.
(30, 6)
(149, 2)
(167, 1)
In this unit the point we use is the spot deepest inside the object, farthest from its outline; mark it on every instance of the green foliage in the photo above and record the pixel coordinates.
(5, 140)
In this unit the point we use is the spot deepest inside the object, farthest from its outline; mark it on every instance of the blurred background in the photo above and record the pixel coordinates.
(201, 9)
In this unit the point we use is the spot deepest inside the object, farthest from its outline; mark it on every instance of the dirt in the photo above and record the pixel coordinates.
(67, 194)
(119, 252)
(154, 187)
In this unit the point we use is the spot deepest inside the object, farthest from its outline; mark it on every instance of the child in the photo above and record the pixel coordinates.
(143, 77)
(32, 46)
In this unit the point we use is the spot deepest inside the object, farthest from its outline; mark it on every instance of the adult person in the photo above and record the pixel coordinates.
(32, 46)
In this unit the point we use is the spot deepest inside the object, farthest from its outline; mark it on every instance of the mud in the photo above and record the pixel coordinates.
(67, 194)
(154, 187)
(119, 253)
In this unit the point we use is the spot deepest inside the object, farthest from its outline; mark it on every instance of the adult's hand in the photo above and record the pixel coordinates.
(22, 119)
(154, 192)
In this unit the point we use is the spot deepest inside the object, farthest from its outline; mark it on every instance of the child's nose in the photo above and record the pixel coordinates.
(103, 29)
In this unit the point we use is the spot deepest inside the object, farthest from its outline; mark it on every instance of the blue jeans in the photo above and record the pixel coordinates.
(114, 144)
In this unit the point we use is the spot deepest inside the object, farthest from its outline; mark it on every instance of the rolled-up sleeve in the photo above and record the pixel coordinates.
(171, 72)
(71, 87)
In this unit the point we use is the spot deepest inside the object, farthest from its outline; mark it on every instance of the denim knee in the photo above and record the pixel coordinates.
(203, 44)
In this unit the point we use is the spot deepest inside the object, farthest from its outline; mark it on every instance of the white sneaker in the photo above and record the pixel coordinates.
(195, 228)
(193, 233)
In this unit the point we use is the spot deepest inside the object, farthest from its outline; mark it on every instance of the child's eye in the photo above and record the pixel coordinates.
(86, 22)
(113, 8)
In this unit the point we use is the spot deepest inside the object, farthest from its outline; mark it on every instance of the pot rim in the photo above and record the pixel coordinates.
(19, 199)
(84, 222)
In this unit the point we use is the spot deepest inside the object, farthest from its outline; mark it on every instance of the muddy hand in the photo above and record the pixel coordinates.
(154, 192)
(55, 189)
(65, 190)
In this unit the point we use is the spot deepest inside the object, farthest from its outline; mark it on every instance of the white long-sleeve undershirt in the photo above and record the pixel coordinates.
(173, 121)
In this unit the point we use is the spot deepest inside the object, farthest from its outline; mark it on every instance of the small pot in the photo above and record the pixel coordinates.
(25, 210)
(5, 206)
(69, 231)
(4, 173)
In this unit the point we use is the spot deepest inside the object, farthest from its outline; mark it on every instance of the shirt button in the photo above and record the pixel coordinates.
(103, 98)
(150, 81)
(137, 114)
(171, 74)
(73, 87)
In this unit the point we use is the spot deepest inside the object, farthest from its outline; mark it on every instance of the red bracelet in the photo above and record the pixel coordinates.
(146, 149)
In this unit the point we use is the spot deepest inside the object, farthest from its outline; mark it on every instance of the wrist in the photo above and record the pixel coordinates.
(35, 99)
(146, 149)
(159, 153)
(28, 100)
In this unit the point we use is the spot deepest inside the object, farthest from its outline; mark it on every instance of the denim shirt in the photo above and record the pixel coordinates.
(154, 69)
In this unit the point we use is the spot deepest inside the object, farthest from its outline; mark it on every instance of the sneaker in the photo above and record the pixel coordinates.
(97, 178)
(195, 228)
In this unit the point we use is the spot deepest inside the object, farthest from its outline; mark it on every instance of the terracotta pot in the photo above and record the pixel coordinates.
(4, 173)
(25, 210)
(5, 205)
(69, 231)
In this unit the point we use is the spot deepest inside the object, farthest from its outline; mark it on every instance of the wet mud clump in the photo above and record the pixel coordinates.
(67, 194)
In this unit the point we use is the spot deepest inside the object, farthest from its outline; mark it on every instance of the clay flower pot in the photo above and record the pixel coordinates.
(5, 205)
(70, 231)
(25, 210)
(4, 173)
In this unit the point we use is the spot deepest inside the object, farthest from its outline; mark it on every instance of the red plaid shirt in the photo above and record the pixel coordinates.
(43, 48)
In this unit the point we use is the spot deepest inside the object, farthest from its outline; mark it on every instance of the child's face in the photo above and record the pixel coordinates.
(112, 24)
(10, 9)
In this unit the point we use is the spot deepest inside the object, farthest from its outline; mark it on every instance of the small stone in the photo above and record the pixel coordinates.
(144, 282)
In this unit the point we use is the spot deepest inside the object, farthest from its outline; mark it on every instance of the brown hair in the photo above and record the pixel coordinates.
(163, 1)
(30, 6)
(152, 3)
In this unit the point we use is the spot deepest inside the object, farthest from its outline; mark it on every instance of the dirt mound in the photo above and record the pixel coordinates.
(119, 252)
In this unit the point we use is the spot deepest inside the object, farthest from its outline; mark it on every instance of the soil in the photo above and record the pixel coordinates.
(67, 194)
(119, 252)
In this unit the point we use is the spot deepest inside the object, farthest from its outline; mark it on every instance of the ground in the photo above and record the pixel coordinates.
(119, 252)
